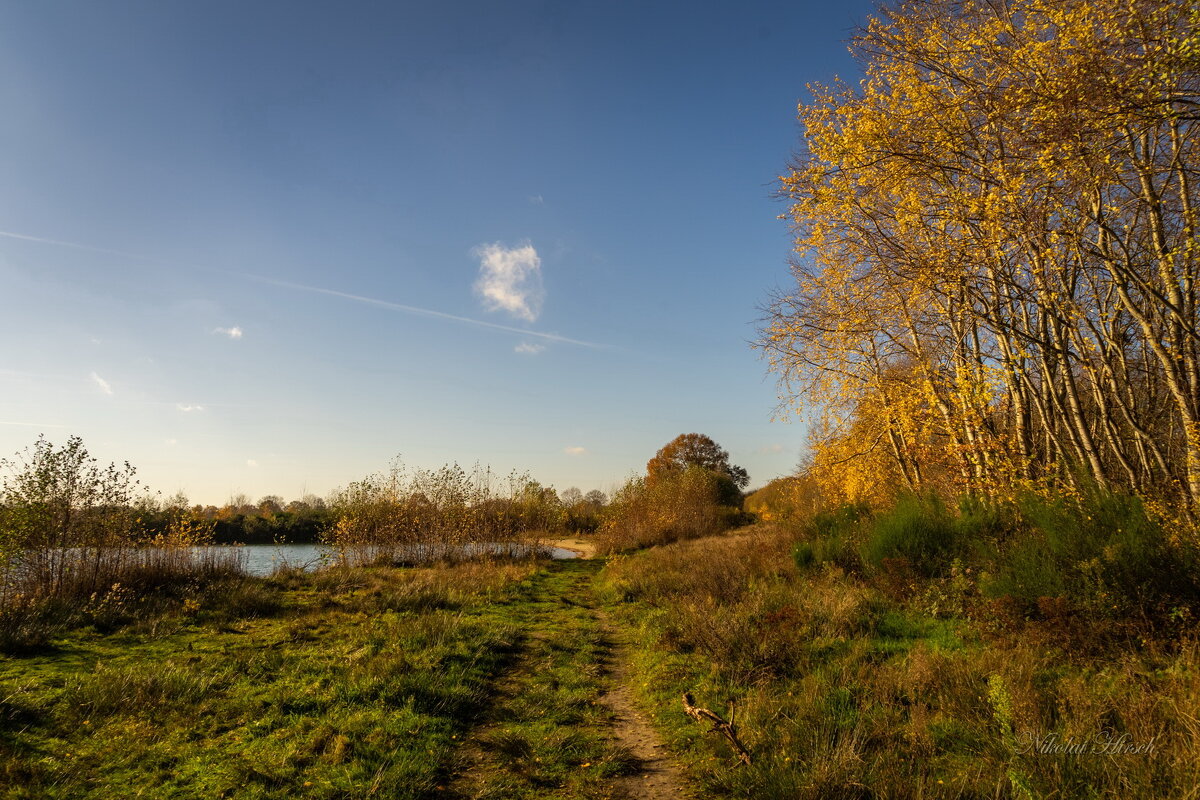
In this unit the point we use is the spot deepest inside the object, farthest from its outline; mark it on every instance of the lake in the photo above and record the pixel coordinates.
(263, 559)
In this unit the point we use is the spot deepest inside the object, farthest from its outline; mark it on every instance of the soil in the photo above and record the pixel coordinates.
(657, 778)
(586, 548)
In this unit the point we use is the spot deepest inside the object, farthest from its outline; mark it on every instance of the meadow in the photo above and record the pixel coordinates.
(906, 652)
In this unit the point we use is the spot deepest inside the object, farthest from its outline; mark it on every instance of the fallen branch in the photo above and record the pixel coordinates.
(719, 725)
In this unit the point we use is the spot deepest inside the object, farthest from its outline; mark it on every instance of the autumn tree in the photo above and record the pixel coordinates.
(698, 450)
(995, 273)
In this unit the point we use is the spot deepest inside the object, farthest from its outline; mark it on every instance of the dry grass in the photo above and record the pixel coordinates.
(843, 691)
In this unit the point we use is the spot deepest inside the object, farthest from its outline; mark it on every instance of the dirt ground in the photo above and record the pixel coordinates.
(586, 548)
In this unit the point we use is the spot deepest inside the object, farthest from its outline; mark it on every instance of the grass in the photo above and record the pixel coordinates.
(335, 685)
(843, 690)
(487, 680)
(478, 679)
(547, 731)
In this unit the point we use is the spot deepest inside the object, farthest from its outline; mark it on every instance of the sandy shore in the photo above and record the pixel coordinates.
(584, 547)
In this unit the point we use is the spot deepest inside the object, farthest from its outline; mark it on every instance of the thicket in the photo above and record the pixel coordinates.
(1100, 557)
(401, 515)
(82, 542)
(690, 489)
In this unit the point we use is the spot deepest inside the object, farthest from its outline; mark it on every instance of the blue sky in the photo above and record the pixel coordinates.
(265, 247)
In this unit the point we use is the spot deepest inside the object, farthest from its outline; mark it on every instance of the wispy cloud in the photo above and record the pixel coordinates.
(537, 200)
(250, 462)
(529, 348)
(424, 312)
(575, 451)
(510, 279)
(188, 407)
(171, 442)
(233, 333)
(771, 448)
(103, 384)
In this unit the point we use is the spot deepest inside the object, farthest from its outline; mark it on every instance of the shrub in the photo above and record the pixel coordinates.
(920, 530)
(684, 504)
(831, 537)
(1103, 551)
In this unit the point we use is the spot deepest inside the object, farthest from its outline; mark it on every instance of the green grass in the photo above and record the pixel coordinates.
(487, 681)
(475, 680)
(547, 731)
(316, 694)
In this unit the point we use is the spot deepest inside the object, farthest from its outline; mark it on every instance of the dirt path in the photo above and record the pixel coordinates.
(657, 777)
(561, 721)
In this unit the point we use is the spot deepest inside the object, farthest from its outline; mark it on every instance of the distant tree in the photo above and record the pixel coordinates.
(177, 500)
(314, 501)
(597, 498)
(270, 504)
(694, 449)
(239, 503)
(571, 496)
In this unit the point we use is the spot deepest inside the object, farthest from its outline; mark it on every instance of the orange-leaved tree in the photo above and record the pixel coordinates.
(696, 450)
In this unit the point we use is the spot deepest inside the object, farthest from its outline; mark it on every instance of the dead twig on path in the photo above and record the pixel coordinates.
(719, 725)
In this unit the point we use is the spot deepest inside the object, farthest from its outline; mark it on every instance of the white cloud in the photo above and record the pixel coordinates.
(103, 384)
(233, 333)
(537, 200)
(510, 279)
(529, 348)
(575, 450)
(171, 442)
(188, 407)
(250, 462)
(771, 448)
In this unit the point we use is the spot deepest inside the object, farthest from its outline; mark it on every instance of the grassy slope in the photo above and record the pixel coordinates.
(842, 693)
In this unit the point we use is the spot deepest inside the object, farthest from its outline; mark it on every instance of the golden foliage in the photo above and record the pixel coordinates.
(995, 266)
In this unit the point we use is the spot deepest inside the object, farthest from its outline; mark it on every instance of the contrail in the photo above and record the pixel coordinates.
(24, 237)
(426, 312)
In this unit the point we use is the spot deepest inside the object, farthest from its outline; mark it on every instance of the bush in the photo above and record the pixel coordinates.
(920, 530)
(831, 537)
(1103, 551)
(840, 522)
(678, 505)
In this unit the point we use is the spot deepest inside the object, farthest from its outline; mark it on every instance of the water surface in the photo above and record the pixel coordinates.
(263, 559)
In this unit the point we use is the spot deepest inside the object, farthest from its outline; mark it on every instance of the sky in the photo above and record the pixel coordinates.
(268, 247)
